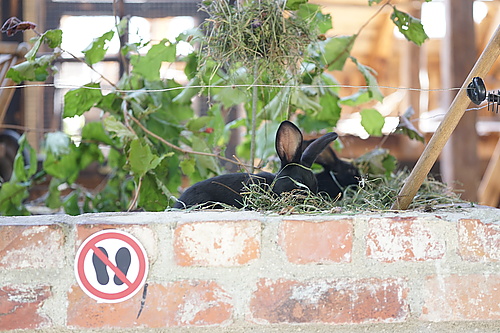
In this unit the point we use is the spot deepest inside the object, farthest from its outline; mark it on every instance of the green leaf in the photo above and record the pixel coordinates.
(191, 90)
(312, 14)
(409, 26)
(89, 152)
(116, 159)
(406, 127)
(22, 170)
(151, 196)
(196, 124)
(371, 2)
(231, 96)
(204, 162)
(376, 162)
(141, 159)
(53, 200)
(265, 140)
(389, 163)
(149, 65)
(96, 51)
(111, 124)
(330, 112)
(110, 103)
(122, 26)
(12, 196)
(301, 100)
(36, 70)
(65, 167)
(187, 166)
(78, 101)
(31, 55)
(370, 79)
(294, 4)
(53, 38)
(361, 97)
(372, 121)
(70, 204)
(277, 106)
(337, 50)
(94, 131)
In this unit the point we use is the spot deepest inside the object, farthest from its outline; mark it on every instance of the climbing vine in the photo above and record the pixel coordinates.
(244, 55)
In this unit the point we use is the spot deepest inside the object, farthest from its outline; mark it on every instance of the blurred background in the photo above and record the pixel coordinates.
(458, 31)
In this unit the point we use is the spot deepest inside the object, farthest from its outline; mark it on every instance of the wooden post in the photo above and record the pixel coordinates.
(449, 123)
(489, 189)
(459, 160)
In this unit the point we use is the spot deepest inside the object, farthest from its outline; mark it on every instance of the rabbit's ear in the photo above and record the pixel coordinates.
(315, 148)
(288, 143)
(327, 157)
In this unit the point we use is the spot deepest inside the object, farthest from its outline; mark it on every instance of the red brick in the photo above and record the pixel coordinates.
(402, 239)
(217, 243)
(456, 297)
(180, 303)
(143, 233)
(20, 307)
(343, 301)
(38, 246)
(317, 242)
(478, 241)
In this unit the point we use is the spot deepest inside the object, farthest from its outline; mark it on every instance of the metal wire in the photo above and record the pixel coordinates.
(248, 86)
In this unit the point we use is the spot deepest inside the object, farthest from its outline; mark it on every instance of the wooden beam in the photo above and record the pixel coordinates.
(489, 189)
(447, 126)
(459, 161)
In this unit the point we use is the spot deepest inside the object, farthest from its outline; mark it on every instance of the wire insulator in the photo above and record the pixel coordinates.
(476, 91)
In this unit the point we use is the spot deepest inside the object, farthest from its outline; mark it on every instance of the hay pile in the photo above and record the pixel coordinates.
(375, 194)
(255, 32)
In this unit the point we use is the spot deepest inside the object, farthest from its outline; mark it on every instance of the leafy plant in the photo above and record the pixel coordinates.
(150, 129)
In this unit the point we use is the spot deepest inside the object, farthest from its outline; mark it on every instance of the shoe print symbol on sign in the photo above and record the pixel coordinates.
(122, 260)
(111, 266)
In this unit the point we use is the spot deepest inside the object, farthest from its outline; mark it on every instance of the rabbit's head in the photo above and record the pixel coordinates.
(295, 172)
(345, 173)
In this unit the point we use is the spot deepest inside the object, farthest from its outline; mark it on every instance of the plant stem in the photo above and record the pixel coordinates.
(254, 116)
(185, 151)
(136, 196)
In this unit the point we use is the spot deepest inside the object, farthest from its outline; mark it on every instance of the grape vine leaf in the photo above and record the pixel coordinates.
(372, 121)
(409, 26)
(53, 38)
(141, 159)
(80, 100)
(149, 65)
(294, 4)
(36, 70)
(96, 51)
(406, 127)
(312, 14)
(337, 50)
(371, 81)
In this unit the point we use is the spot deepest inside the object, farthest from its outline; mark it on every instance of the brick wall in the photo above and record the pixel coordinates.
(244, 271)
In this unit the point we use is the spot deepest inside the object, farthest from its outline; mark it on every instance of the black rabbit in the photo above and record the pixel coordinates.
(295, 172)
(337, 174)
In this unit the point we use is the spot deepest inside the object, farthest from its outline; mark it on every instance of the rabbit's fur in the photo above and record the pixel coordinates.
(337, 174)
(295, 172)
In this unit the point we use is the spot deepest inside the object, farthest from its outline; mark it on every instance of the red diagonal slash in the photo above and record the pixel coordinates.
(108, 263)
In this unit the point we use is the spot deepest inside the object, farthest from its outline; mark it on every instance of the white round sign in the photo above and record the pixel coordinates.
(111, 266)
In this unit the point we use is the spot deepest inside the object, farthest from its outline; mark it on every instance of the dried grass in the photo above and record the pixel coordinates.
(255, 32)
(375, 194)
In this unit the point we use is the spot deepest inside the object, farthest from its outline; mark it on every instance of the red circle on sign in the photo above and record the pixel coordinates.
(90, 244)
